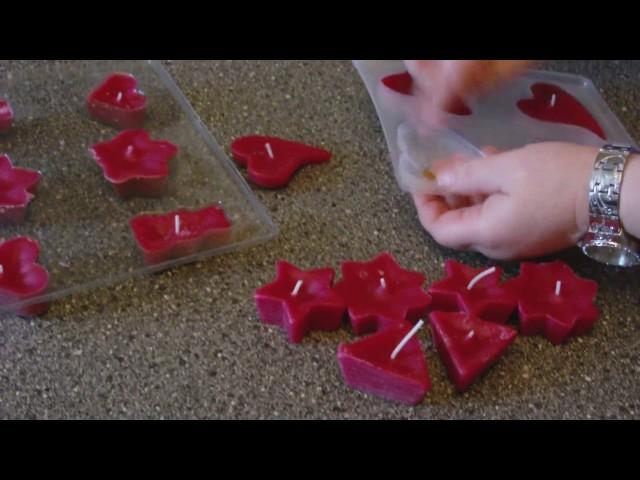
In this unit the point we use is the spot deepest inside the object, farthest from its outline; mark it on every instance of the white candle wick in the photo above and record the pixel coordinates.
(553, 100)
(1, 269)
(407, 337)
(296, 289)
(383, 282)
(470, 335)
(119, 97)
(129, 151)
(480, 276)
(558, 287)
(269, 151)
(176, 223)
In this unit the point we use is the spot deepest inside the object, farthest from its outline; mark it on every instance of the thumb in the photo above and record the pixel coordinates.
(475, 177)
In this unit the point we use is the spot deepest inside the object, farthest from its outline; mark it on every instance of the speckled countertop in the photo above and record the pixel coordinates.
(188, 343)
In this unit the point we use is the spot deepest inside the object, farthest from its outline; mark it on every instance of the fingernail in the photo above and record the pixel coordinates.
(444, 179)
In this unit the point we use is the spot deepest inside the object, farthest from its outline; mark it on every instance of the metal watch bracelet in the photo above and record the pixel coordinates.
(606, 241)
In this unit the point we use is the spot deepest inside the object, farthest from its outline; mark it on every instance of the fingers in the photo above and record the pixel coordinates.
(429, 208)
(473, 178)
(478, 77)
(459, 228)
(448, 81)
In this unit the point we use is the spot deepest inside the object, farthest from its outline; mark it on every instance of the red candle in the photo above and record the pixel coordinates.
(403, 83)
(467, 345)
(118, 102)
(21, 277)
(134, 164)
(399, 82)
(551, 103)
(553, 301)
(180, 233)
(6, 116)
(380, 293)
(300, 301)
(271, 162)
(476, 291)
(389, 364)
(17, 189)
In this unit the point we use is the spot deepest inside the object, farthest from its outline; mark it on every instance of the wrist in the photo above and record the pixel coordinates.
(582, 197)
(607, 240)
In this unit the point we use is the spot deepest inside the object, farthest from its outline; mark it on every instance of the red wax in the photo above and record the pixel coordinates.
(17, 188)
(403, 83)
(271, 162)
(21, 277)
(180, 233)
(366, 365)
(399, 82)
(380, 293)
(551, 103)
(118, 102)
(489, 298)
(557, 317)
(134, 164)
(300, 301)
(467, 345)
(6, 116)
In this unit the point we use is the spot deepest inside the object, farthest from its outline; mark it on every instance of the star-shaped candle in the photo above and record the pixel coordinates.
(6, 116)
(271, 162)
(135, 164)
(553, 301)
(467, 345)
(180, 233)
(380, 293)
(21, 277)
(476, 291)
(118, 102)
(389, 364)
(17, 189)
(300, 301)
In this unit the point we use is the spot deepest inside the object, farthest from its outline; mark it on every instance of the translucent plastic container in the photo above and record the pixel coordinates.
(496, 121)
(82, 226)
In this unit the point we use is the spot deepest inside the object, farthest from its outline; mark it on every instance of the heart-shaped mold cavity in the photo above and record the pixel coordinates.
(552, 104)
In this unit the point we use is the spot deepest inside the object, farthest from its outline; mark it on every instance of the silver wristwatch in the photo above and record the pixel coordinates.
(606, 240)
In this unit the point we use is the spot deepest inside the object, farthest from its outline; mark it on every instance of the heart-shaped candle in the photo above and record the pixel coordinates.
(300, 301)
(389, 364)
(380, 293)
(475, 291)
(551, 103)
(21, 277)
(403, 83)
(553, 301)
(180, 233)
(118, 102)
(271, 162)
(399, 82)
(135, 164)
(17, 189)
(467, 345)
(6, 116)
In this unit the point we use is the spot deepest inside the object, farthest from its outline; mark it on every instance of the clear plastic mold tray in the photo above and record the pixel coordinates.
(81, 224)
(496, 121)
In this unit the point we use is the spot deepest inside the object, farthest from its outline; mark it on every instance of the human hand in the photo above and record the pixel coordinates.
(521, 203)
(442, 84)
